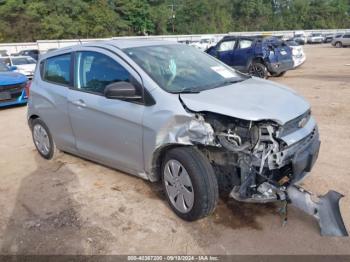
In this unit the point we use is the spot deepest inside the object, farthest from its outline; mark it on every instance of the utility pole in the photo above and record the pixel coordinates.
(173, 16)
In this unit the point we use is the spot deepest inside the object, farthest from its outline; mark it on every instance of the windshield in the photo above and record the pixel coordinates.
(316, 34)
(5, 61)
(23, 60)
(178, 68)
(3, 68)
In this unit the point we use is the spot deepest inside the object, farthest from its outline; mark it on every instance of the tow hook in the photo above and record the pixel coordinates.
(326, 209)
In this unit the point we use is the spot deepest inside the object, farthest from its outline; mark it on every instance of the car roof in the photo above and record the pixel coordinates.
(29, 50)
(118, 43)
(130, 43)
(251, 37)
(16, 56)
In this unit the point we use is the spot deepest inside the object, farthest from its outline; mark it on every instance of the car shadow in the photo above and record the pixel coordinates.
(45, 218)
(229, 212)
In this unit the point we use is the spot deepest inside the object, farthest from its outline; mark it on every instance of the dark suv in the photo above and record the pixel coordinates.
(258, 56)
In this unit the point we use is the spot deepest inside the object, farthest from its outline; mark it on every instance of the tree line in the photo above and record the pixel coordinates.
(31, 20)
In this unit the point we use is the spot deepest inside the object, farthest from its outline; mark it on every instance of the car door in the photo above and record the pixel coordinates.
(106, 130)
(224, 51)
(243, 54)
(50, 97)
(346, 39)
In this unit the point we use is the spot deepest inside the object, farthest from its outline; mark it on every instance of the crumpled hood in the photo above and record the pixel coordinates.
(11, 78)
(253, 99)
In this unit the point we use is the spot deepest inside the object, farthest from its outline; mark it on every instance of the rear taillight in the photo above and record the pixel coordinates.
(27, 87)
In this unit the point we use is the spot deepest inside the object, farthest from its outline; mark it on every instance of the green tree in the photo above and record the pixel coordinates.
(30, 20)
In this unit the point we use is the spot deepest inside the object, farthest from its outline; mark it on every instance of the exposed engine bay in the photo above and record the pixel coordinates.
(253, 163)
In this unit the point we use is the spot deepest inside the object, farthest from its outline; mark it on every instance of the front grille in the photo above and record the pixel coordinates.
(294, 124)
(14, 90)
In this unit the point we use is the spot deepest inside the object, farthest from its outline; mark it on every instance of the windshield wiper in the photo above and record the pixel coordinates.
(196, 90)
(229, 82)
(188, 90)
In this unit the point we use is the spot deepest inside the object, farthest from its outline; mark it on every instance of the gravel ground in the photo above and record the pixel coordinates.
(73, 206)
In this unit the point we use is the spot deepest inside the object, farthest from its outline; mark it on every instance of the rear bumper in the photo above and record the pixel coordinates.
(298, 61)
(279, 67)
(315, 41)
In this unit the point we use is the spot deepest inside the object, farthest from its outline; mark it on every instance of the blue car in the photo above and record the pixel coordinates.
(14, 87)
(257, 56)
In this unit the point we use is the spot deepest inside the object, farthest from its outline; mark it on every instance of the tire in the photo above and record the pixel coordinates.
(280, 74)
(338, 45)
(203, 184)
(258, 69)
(45, 145)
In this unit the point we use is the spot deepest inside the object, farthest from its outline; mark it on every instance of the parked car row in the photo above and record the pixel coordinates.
(302, 38)
(21, 64)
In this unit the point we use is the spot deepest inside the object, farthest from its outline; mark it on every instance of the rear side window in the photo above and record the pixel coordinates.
(245, 43)
(346, 36)
(94, 71)
(57, 69)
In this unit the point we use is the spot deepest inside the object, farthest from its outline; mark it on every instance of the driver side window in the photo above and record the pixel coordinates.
(94, 71)
(227, 46)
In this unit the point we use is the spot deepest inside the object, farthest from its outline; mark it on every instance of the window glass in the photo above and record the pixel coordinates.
(245, 43)
(57, 69)
(23, 60)
(6, 61)
(179, 68)
(227, 45)
(95, 71)
(3, 67)
(346, 36)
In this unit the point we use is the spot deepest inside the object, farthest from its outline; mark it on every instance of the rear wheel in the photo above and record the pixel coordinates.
(42, 139)
(189, 183)
(258, 69)
(338, 44)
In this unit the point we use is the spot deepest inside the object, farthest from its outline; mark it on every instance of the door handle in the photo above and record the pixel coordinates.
(79, 102)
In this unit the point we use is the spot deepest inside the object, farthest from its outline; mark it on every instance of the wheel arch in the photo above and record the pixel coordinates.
(258, 59)
(158, 157)
(31, 118)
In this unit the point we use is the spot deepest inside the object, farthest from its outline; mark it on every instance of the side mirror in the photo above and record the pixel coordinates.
(13, 68)
(121, 90)
(213, 51)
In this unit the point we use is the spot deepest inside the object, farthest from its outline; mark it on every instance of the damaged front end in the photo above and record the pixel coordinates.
(260, 162)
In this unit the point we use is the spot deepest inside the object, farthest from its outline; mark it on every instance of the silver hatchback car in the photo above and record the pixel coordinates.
(168, 112)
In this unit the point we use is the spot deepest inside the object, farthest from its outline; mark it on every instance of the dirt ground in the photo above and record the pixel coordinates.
(73, 206)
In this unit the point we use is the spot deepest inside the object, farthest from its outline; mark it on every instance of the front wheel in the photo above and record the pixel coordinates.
(258, 69)
(189, 183)
(338, 44)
